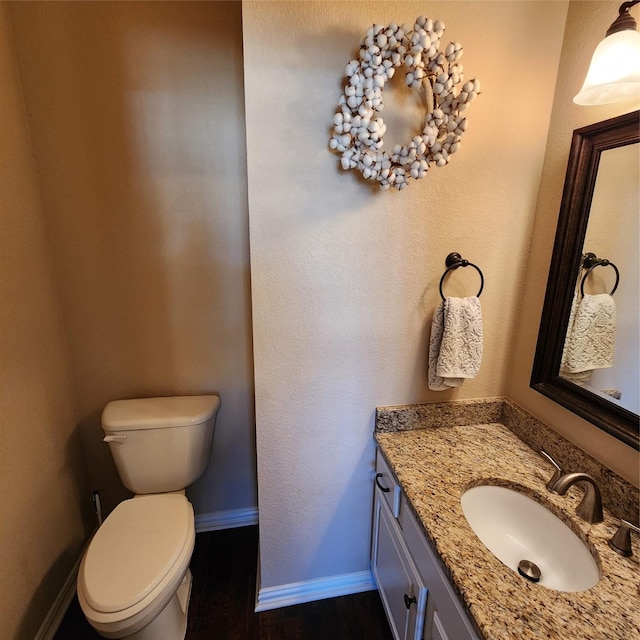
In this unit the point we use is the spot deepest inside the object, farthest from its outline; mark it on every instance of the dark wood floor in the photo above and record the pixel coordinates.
(223, 598)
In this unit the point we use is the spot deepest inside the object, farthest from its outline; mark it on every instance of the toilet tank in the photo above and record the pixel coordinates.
(160, 444)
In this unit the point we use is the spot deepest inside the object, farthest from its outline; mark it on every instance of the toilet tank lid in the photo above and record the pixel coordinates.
(151, 413)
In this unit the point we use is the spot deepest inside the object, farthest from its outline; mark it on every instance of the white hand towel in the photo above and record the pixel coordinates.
(591, 336)
(436, 383)
(455, 347)
(577, 378)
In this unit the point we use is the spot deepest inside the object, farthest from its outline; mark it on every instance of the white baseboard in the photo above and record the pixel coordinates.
(300, 592)
(53, 620)
(226, 519)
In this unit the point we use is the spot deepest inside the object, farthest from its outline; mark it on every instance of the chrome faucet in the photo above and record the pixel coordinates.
(590, 509)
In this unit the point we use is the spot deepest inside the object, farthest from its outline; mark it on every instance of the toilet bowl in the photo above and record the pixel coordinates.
(136, 570)
(134, 580)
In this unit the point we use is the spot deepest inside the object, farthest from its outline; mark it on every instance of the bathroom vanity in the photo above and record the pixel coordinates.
(436, 578)
(416, 593)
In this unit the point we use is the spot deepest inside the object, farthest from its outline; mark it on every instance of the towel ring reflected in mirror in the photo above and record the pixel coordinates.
(455, 260)
(590, 262)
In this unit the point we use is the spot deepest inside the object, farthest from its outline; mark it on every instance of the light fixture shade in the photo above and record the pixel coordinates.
(614, 73)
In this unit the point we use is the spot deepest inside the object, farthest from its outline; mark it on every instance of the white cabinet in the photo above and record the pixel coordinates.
(437, 629)
(416, 594)
(402, 592)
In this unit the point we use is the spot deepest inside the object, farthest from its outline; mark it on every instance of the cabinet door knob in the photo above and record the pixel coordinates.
(409, 601)
(385, 489)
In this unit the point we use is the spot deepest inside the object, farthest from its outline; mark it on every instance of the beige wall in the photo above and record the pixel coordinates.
(586, 24)
(345, 278)
(42, 473)
(136, 111)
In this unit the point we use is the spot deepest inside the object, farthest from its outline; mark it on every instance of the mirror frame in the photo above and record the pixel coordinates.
(586, 146)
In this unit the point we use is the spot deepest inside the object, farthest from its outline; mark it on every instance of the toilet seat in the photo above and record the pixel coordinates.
(136, 561)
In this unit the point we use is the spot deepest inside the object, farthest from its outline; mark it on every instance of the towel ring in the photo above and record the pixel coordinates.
(590, 262)
(455, 260)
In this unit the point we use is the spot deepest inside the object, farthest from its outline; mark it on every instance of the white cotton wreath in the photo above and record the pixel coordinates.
(358, 131)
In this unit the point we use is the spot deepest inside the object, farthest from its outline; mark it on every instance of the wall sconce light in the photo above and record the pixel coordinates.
(614, 73)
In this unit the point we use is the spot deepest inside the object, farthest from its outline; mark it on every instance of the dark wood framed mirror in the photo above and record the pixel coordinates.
(587, 146)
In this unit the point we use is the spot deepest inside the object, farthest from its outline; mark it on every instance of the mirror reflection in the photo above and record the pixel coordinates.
(597, 376)
(602, 345)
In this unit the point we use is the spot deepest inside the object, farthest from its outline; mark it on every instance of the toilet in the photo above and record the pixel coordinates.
(134, 580)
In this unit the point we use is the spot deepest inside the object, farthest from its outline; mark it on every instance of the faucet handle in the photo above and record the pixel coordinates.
(621, 540)
(556, 474)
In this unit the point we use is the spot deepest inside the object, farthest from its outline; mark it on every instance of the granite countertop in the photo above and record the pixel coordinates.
(436, 465)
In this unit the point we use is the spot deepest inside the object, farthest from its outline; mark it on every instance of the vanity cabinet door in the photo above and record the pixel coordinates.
(437, 629)
(446, 618)
(403, 594)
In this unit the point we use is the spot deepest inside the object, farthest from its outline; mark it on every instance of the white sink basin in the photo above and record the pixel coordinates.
(514, 528)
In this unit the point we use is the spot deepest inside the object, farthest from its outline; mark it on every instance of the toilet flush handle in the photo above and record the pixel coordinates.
(119, 439)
